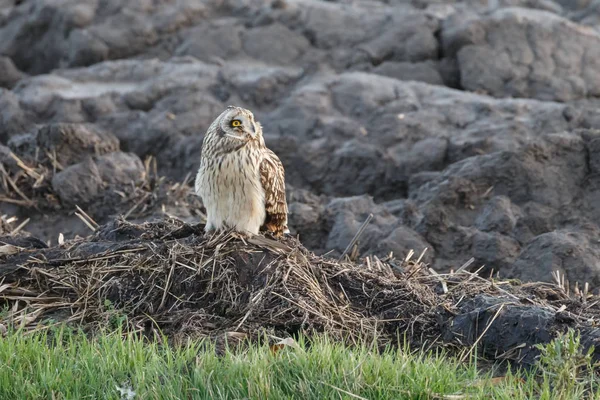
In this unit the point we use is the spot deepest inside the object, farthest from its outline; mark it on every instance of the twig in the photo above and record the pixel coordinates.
(56, 166)
(422, 255)
(29, 171)
(4, 199)
(465, 265)
(85, 221)
(87, 216)
(15, 187)
(463, 358)
(167, 284)
(136, 205)
(21, 226)
(441, 279)
(356, 237)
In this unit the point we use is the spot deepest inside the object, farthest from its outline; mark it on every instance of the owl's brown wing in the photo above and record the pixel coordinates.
(272, 178)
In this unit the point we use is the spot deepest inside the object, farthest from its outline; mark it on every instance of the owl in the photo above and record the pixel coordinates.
(241, 182)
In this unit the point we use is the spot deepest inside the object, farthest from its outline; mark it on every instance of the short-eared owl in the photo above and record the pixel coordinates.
(241, 182)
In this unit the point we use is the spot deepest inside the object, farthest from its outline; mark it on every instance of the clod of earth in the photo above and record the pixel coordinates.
(172, 276)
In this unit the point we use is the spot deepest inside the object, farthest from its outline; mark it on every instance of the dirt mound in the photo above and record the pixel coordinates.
(170, 275)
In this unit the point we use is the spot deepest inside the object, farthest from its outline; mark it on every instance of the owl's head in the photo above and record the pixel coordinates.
(236, 127)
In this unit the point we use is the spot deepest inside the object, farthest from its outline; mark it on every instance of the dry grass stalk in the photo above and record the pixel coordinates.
(356, 237)
(20, 226)
(489, 324)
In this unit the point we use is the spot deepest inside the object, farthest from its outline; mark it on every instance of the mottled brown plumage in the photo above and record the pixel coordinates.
(241, 182)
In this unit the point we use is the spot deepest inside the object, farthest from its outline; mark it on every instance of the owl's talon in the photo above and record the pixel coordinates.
(240, 235)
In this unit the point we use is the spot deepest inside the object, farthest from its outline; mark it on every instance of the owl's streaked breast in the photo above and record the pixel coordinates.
(230, 188)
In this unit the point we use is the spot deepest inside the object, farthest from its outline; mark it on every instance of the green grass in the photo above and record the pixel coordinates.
(66, 365)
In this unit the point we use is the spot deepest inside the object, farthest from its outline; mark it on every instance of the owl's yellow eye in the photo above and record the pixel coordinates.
(236, 122)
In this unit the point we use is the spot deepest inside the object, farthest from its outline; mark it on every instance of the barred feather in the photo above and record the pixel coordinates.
(272, 178)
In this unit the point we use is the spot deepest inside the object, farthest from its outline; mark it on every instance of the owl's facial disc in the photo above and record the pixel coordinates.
(241, 126)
